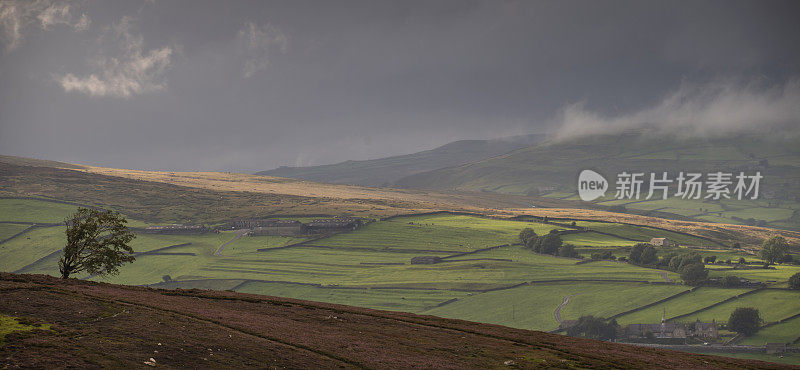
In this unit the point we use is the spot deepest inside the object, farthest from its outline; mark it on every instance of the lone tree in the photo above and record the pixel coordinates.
(745, 320)
(97, 243)
(774, 249)
(794, 281)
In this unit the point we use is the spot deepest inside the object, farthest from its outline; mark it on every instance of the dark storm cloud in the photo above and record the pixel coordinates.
(252, 85)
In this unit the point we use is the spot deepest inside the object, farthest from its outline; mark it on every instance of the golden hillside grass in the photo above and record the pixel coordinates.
(424, 201)
(387, 201)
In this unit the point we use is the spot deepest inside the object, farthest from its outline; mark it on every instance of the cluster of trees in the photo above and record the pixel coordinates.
(550, 243)
(607, 255)
(643, 254)
(775, 249)
(730, 281)
(689, 265)
(594, 328)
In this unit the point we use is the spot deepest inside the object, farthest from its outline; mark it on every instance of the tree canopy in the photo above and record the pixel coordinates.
(594, 328)
(97, 243)
(679, 262)
(794, 281)
(745, 320)
(528, 237)
(548, 244)
(643, 254)
(694, 273)
(774, 249)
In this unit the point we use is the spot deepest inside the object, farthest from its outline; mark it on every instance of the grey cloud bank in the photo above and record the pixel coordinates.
(716, 108)
(248, 86)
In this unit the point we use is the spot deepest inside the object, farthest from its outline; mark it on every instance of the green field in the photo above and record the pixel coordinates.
(686, 303)
(596, 240)
(33, 245)
(786, 358)
(30, 210)
(435, 233)
(484, 275)
(773, 305)
(412, 300)
(532, 306)
(780, 273)
(609, 300)
(643, 234)
(776, 213)
(785, 332)
(9, 230)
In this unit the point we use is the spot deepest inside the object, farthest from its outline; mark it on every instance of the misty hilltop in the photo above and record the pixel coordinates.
(386, 171)
(550, 168)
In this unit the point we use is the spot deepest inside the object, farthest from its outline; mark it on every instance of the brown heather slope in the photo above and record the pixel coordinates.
(210, 197)
(104, 325)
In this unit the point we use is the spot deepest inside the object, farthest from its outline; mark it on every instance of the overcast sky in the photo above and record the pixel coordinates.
(252, 85)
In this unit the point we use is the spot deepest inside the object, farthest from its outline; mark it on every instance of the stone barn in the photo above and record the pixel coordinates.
(661, 242)
(176, 229)
(333, 225)
(280, 228)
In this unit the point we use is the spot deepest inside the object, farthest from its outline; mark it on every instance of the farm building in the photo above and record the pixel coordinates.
(773, 348)
(665, 330)
(176, 229)
(707, 330)
(252, 223)
(661, 242)
(425, 260)
(279, 228)
(336, 224)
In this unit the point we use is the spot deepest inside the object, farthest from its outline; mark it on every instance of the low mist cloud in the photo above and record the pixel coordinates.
(716, 108)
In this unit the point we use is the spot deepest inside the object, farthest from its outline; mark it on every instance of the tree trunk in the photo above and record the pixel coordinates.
(65, 271)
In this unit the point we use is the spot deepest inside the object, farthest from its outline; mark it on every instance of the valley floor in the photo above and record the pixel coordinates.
(90, 325)
(482, 274)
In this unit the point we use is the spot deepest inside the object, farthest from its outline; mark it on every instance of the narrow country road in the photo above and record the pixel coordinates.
(239, 234)
(563, 304)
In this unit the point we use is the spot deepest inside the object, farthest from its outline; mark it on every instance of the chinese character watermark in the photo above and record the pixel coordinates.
(686, 185)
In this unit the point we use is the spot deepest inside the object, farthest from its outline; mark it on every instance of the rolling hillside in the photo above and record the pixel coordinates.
(483, 274)
(215, 197)
(551, 169)
(57, 323)
(385, 171)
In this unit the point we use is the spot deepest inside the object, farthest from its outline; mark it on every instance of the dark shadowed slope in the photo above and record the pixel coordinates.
(102, 325)
(557, 163)
(551, 169)
(385, 171)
